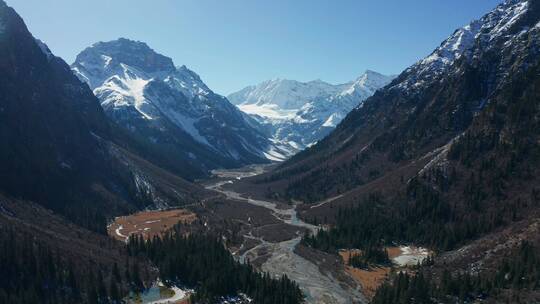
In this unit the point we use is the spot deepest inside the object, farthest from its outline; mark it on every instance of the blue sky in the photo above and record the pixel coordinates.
(235, 43)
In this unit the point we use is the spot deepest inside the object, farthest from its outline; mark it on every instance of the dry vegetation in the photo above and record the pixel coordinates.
(149, 223)
(370, 279)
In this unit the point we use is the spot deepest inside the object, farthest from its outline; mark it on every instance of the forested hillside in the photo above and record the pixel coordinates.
(202, 262)
(46, 259)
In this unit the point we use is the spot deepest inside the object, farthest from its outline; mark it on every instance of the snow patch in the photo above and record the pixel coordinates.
(188, 125)
(332, 121)
(117, 231)
(270, 111)
(411, 256)
(273, 156)
(438, 155)
(136, 89)
(125, 91)
(65, 165)
(106, 60)
(179, 294)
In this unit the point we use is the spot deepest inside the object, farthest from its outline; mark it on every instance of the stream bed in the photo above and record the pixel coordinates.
(317, 287)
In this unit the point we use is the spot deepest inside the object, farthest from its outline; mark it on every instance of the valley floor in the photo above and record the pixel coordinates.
(268, 235)
(280, 257)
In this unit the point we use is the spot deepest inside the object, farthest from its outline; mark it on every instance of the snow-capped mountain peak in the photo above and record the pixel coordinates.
(301, 113)
(145, 92)
(461, 44)
(118, 71)
(372, 80)
(286, 94)
(102, 60)
(133, 53)
(188, 82)
(366, 85)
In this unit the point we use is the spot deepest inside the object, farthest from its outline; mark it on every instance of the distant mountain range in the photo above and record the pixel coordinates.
(301, 113)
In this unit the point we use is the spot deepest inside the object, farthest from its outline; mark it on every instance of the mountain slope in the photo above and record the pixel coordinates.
(40, 248)
(59, 149)
(169, 107)
(448, 157)
(425, 108)
(449, 151)
(300, 114)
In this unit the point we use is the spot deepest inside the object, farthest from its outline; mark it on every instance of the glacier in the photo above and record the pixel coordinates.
(301, 113)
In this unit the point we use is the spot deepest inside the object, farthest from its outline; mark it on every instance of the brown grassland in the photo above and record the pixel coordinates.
(370, 279)
(149, 223)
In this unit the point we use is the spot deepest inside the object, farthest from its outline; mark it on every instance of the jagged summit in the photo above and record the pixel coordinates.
(465, 43)
(364, 86)
(301, 113)
(288, 94)
(145, 92)
(134, 53)
(371, 79)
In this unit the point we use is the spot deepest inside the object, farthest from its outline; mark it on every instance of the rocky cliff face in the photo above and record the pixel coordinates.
(170, 107)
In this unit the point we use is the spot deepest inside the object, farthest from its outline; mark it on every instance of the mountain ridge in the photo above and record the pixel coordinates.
(438, 123)
(301, 113)
(170, 107)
